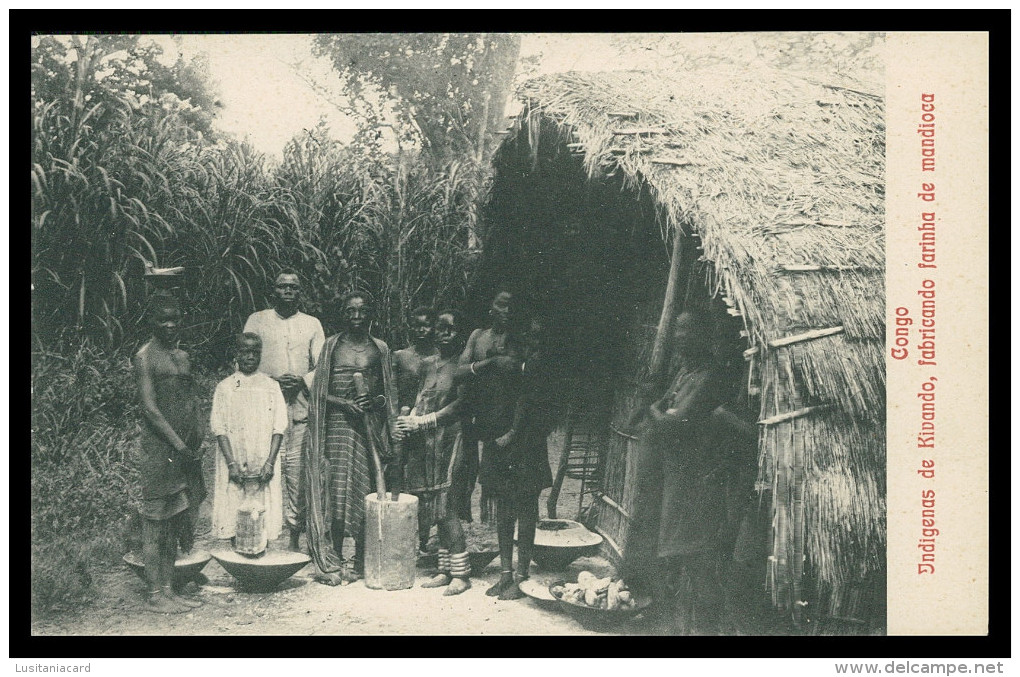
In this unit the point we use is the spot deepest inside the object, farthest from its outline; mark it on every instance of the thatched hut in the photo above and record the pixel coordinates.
(619, 198)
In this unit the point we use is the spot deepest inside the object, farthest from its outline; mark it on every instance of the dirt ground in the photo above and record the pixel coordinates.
(300, 606)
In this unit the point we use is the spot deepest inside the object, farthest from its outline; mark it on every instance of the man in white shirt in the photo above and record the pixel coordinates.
(291, 343)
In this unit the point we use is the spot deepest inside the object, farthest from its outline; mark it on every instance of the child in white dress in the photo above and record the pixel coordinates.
(249, 418)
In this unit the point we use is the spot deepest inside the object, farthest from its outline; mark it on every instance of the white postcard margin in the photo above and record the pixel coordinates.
(937, 287)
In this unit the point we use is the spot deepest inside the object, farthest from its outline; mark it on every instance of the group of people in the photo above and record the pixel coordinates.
(298, 424)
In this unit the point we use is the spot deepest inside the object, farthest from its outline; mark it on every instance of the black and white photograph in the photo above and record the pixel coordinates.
(459, 334)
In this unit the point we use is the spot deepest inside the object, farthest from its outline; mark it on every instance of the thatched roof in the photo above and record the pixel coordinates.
(782, 177)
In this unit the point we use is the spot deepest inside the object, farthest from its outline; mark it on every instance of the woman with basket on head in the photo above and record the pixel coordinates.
(169, 454)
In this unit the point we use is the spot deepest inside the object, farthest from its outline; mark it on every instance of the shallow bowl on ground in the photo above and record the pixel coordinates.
(261, 573)
(558, 542)
(599, 617)
(538, 591)
(479, 560)
(186, 568)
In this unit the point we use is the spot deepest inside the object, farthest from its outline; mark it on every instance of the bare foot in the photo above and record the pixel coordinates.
(506, 579)
(189, 602)
(512, 591)
(354, 570)
(161, 603)
(457, 586)
(329, 579)
(437, 581)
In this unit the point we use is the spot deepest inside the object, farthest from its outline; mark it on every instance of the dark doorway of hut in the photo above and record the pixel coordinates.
(587, 251)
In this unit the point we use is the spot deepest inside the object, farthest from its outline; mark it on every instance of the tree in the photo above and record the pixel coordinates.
(115, 131)
(83, 71)
(449, 89)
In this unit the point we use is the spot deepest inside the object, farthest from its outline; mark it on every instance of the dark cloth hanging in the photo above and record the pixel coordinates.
(696, 466)
(680, 506)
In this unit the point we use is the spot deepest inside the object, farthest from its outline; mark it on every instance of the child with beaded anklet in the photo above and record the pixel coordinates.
(432, 449)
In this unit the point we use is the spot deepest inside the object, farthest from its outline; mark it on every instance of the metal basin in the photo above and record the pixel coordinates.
(186, 568)
(539, 591)
(261, 573)
(559, 542)
(595, 618)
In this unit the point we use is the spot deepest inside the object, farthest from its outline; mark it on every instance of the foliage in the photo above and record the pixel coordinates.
(94, 490)
(147, 189)
(62, 568)
(80, 394)
(122, 180)
(400, 233)
(96, 179)
(84, 485)
(83, 426)
(450, 88)
(110, 69)
(82, 481)
(420, 226)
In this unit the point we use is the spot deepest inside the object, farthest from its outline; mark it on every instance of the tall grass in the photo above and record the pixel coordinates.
(117, 186)
(146, 188)
(399, 232)
(83, 481)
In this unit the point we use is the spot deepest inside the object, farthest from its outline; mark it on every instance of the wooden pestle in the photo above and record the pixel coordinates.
(361, 388)
(398, 453)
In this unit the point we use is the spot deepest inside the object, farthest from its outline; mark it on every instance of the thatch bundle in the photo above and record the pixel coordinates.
(782, 177)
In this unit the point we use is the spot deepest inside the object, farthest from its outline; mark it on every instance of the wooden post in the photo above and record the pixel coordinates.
(668, 307)
(534, 134)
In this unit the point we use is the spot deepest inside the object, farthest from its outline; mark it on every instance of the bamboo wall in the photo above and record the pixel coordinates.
(614, 507)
